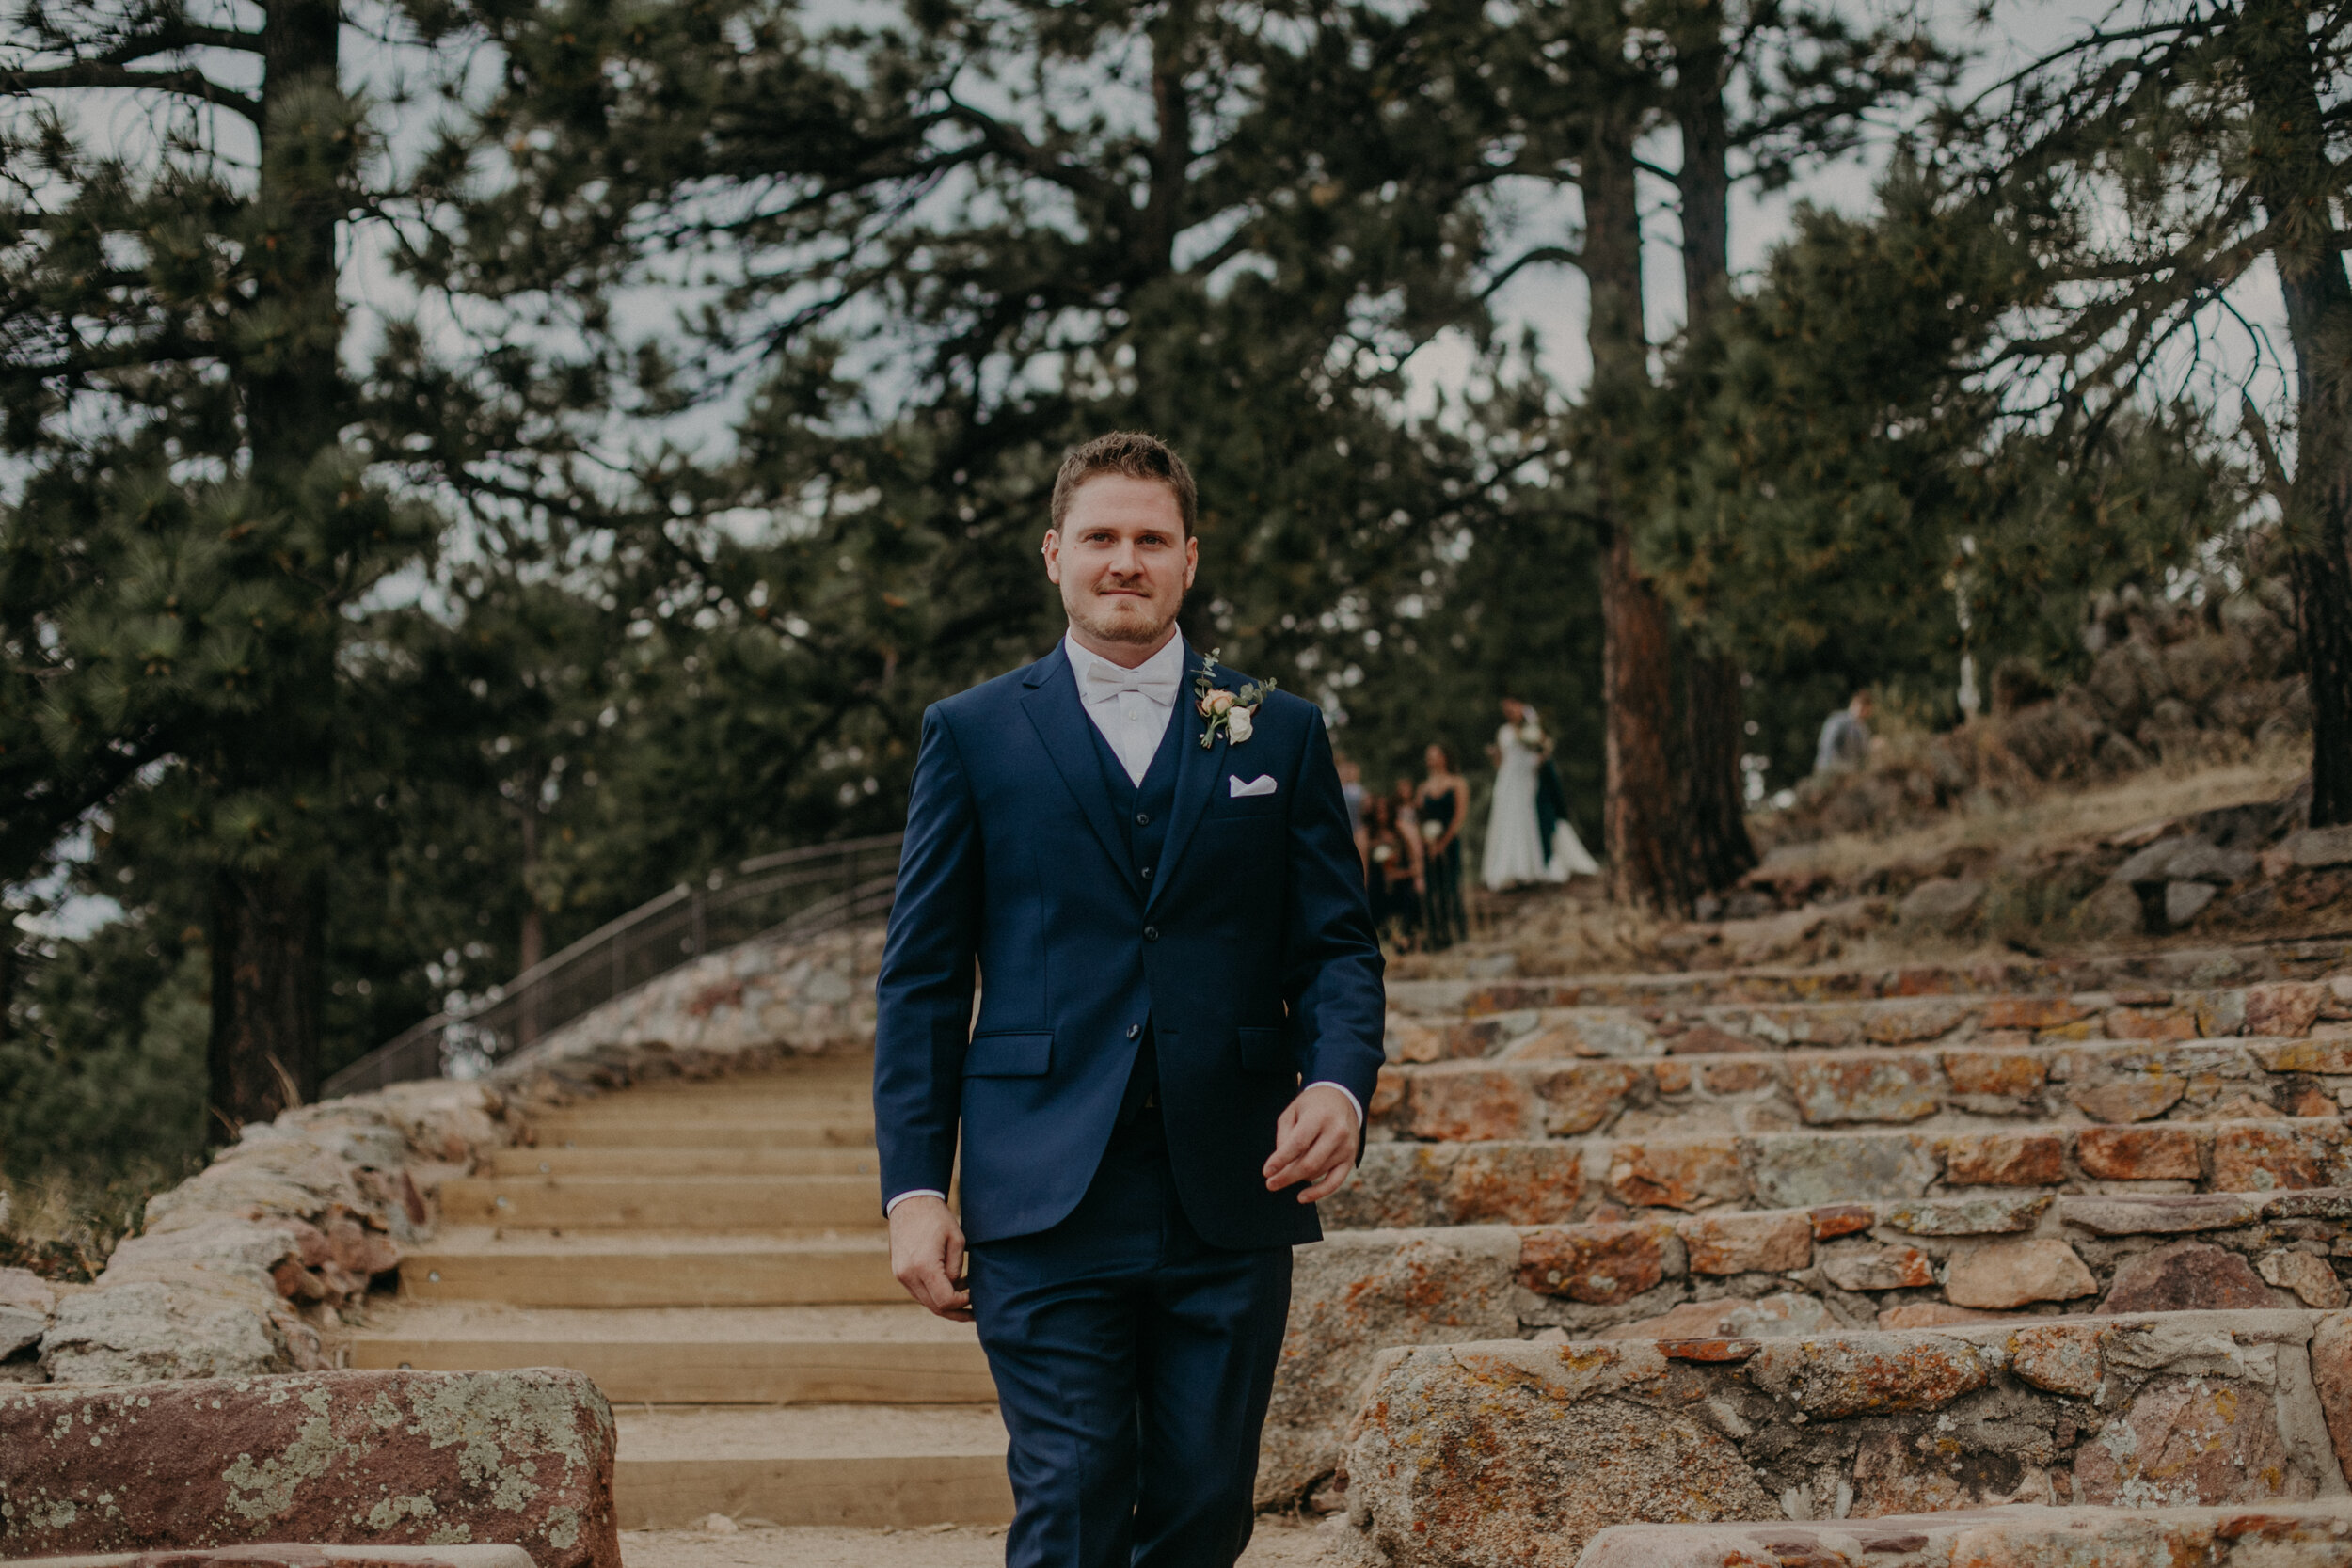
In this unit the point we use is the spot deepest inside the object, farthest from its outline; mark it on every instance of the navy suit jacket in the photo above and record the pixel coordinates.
(1250, 954)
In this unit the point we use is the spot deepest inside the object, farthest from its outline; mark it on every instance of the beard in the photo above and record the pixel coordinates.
(1137, 626)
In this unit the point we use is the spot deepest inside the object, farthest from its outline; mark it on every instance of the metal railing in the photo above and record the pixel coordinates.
(797, 893)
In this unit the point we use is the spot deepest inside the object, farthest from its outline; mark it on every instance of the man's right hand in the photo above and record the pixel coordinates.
(927, 1256)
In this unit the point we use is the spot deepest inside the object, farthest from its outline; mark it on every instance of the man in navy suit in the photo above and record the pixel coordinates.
(1180, 1024)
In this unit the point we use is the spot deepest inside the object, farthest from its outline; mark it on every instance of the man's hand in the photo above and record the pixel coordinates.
(1314, 1142)
(927, 1256)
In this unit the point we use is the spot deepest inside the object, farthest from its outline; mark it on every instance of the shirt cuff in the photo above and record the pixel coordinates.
(1356, 1104)
(913, 1191)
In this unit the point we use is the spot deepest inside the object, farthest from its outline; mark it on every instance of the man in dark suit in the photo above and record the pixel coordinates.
(1147, 857)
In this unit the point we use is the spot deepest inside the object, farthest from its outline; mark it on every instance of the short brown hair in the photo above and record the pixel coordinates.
(1137, 456)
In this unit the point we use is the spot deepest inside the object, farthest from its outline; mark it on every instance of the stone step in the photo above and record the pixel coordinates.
(825, 1464)
(526, 1162)
(1552, 1181)
(2283, 1008)
(2275, 1535)
(1488, 1453)
(707, 1355)
(1777, 1274)
(639, 1203)
(2175, 968)
(649, 1132)
(2107, 1081)
(624, 1269)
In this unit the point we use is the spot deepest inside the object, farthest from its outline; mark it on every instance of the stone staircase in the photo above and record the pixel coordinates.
(1638, 1266)
(712, 1255)
(1761, 1253)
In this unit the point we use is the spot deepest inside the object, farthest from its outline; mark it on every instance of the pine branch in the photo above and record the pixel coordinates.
(91, 73)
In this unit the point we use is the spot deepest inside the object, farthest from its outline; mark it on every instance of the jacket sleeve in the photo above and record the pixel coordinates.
(923, 996)
(1331, 957)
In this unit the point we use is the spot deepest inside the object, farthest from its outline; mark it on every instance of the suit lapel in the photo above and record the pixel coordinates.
(1196, 768)
(1061, 723)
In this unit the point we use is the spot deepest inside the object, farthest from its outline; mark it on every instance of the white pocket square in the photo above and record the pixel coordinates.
(1262, 785)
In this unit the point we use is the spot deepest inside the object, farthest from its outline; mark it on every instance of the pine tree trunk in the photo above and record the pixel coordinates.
(1646, 864)
(534, 937)
(267, 935)
(1644, 843)
(2292, 177)
(1712, 805)
(1713, 810)
(268, 918)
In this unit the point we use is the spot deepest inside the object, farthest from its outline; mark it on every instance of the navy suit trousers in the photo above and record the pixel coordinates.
(1132, 1364)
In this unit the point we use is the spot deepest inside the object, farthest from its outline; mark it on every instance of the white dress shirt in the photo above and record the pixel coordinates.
(1131, 709)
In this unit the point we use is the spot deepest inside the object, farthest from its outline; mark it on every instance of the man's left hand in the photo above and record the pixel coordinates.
(1314, 1142)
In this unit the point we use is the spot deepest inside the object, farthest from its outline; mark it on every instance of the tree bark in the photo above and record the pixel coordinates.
(2294, 181)
(1646, 861)
(268, 900)
(1712, 806)
(267, 936)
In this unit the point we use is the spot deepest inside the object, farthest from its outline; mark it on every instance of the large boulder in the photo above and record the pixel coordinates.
(385, 1458)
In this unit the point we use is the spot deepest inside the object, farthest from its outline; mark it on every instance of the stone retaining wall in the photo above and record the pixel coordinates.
(2271, 1536)
(2102, 1080)
(1495, 1454)
(1777, 1274)
(1556, 1181)
(1644, 1029)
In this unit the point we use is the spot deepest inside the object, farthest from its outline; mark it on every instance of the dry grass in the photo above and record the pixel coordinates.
(2059, 816)
(63, 1225)
(2032, 904)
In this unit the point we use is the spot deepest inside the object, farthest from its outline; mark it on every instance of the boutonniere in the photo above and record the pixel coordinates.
(1233, 711)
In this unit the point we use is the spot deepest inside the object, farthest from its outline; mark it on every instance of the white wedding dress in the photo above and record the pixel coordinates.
(1514, 846)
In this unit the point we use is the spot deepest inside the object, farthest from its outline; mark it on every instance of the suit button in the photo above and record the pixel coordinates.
(1147, 873)
(1150, 933)
(1143, 820)
(1134, 1029)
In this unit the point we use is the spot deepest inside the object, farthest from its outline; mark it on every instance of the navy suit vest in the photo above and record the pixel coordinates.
(1143, 813)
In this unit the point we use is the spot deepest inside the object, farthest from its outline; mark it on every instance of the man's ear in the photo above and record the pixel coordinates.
(1192, 558)
(1051, 550)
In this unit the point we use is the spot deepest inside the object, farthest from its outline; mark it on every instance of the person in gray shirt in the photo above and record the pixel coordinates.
(1845, 738)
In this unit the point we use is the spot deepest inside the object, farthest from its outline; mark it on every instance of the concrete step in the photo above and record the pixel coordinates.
(641, 1202)
(690, 1160)
(1551, 1180)
(1957, 1085)
(824, 1464)
(2287, 1007)
(627, 1269)
(753, 1100)
(651, 1132)
(704, 1355)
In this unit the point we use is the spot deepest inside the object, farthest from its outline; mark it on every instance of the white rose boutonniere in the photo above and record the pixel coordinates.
(1234, 711)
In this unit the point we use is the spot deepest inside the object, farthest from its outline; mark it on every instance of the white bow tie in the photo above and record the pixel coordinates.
(1103, 680)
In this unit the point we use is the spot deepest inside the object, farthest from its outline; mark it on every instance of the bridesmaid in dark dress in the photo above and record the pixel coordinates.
(1443, 806)
(1397, 880)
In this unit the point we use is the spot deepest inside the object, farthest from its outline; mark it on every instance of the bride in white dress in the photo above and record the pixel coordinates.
(1515, 852)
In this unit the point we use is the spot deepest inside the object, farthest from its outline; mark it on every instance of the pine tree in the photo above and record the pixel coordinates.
(1588, 81)
(2149, 166)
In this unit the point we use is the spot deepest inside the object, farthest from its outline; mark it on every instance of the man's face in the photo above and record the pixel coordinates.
(1122, 560)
